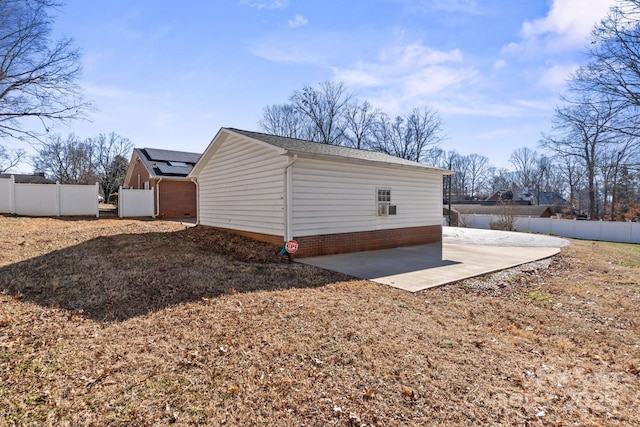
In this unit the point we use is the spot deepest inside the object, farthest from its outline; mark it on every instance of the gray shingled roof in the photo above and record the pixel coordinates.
(299, 146)
(37, 178)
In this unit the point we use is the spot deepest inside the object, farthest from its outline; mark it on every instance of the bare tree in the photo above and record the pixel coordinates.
(573, 171)
(38, 77)
(459, 164)
(411, 137)
(524, 162)
(325, 109)
(424, 127)
(478, 167)
(70, 160)
(501, 179)
(331, 115)
(360, 124)
(10, 159)
(101, 159)
(109, 150)
(613, 70)
(391, 137)
(285, 120)
(581, 129)
(113, 176)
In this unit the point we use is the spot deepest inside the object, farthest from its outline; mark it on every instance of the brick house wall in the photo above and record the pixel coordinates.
(177, 199)
(138, 171)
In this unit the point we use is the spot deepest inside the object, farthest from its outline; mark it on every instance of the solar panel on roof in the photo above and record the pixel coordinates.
(171, 156)
(175, 170)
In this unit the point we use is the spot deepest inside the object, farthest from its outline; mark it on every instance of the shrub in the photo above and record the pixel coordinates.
(506, 218)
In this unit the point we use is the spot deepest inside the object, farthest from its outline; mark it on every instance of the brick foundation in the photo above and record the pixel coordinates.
(340, 243)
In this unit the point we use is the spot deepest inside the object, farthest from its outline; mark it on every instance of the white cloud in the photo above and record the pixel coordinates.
(567, 25)
(499, 64)
(265, 4)
(298, 21)
(556, 77)
(403, 76)
(305, 48)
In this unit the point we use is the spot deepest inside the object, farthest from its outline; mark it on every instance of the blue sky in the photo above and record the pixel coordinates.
(169, 74)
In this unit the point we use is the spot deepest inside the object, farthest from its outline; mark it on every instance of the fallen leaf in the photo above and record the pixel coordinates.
(368, 394)
(407, 393)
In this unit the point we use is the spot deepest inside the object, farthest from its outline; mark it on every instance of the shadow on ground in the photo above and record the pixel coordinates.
(114, 278)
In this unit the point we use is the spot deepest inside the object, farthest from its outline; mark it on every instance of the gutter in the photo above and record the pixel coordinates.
(288, 196)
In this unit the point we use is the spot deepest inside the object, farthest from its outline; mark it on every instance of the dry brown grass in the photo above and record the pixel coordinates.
(122, 322)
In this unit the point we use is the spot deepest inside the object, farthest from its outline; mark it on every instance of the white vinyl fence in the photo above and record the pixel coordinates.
(135, 203)
(48, 199)
(608, 231)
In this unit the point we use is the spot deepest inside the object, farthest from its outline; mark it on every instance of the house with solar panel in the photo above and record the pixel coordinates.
(165, 172)
(325, 199)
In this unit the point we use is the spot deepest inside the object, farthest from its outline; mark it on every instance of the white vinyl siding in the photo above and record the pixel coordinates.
(242, 188)
(340, 197)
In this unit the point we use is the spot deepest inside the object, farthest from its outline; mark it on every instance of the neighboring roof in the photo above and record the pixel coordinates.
(551, 198)
(37, 178)
(166, 163)
(517, 194)
(517, 210)
(316, 149)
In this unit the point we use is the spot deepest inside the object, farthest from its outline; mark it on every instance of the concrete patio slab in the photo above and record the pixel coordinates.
(464, 253)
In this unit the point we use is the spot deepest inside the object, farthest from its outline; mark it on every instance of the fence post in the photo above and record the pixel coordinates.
(120, 201)
(12, 195)
(57, 198)
(97, 201)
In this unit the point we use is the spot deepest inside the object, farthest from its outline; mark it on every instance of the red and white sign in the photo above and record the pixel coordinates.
(291, 246)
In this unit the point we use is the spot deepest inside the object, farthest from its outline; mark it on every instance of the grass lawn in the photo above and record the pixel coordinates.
(109, 322)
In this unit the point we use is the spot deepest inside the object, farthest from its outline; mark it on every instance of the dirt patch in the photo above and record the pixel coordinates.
(122, 322)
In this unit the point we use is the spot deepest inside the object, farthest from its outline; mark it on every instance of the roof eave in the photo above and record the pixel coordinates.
(343, 159)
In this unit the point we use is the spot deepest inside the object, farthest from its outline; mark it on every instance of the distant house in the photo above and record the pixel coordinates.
(515, 196)
(525, 197)
(330, 199)
(36, 178)
(165, 172)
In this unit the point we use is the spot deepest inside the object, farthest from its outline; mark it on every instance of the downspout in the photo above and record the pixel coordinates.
(158, 197)
(288, 195)
(195, 181)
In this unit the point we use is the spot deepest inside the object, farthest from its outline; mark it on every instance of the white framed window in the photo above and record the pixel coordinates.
(383, 202)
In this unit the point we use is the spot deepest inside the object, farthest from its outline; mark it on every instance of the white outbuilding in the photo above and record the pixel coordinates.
(329, 199)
